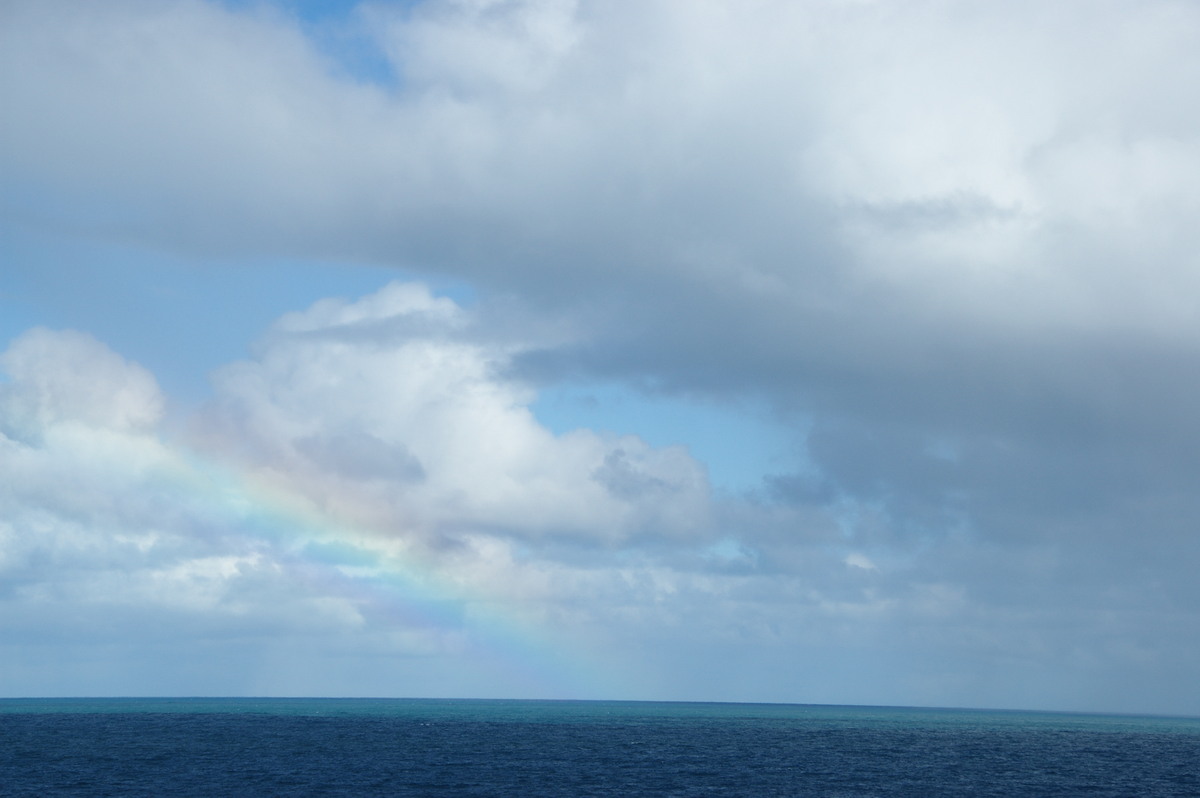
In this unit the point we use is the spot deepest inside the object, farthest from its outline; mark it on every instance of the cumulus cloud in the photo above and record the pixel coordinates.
(369, 444)
(396, 407)
(385, 439)
(834, 157)
(68, 376)
(950, 246)
(822, 203)
(114, 535)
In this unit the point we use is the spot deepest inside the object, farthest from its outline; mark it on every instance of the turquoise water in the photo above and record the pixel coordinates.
(247, 746)
(524, 710)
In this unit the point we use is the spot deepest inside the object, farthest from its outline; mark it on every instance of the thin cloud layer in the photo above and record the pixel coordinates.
(950, 246)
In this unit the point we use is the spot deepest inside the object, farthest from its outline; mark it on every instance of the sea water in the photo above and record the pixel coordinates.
(416, 747)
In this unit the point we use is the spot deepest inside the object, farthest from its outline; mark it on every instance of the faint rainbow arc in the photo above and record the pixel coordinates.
(415, 592)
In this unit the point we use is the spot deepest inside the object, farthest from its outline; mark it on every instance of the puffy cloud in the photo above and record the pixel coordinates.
(395, 409)
(371, 482)
(977, 166)
(952, 246)
(320, 506)
(820, 202)
(67, 376)
(114, 533)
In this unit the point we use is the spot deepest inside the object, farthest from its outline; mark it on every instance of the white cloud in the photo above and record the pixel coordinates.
(319, 533)
(942, 227)
(107, 522)
(68, 376)
(474, 47)
(371, 444)
(968, 163)
(402, 385)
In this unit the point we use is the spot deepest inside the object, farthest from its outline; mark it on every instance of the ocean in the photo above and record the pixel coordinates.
(426, 747)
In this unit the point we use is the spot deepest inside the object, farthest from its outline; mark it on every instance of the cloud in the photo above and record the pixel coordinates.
(68, 376)
(951, 247)
(370, 482)
(114, 535)
(361, 455)
(406, 387)
(867, 183)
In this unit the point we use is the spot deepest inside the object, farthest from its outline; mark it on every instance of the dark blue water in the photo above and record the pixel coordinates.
(551, 748)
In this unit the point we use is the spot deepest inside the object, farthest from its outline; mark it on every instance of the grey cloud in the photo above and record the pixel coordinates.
(625, 479)
(952, 248)
(361, 455)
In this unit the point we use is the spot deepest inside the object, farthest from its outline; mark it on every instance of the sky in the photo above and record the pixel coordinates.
(818, 351)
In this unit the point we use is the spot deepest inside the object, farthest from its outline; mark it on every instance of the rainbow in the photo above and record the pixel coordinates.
(391, 584)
